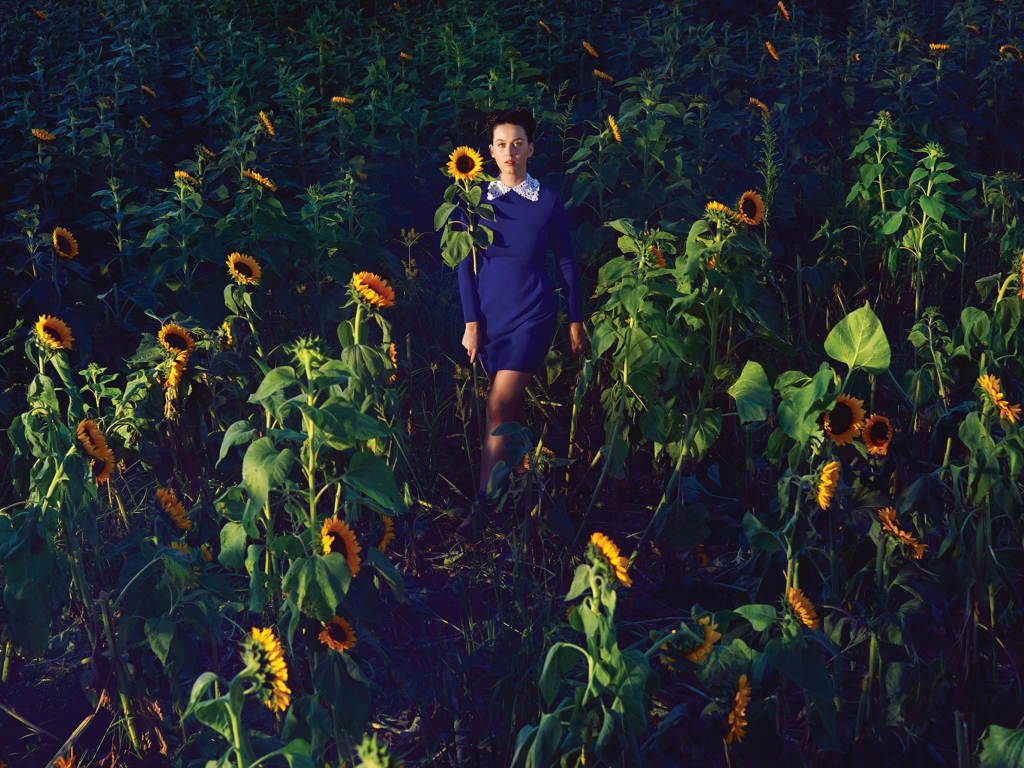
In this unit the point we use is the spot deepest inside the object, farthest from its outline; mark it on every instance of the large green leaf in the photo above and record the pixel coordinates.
(799, 411)
(160, 633)
(859, 341)
(238, 433)
(368, 474)
(314, 587)
(561, 658)
(276, 380)
(752, 393)
(760, 616)
(1002, 747)
(264, 467)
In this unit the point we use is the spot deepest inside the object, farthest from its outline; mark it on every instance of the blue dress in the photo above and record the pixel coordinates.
(513, 298)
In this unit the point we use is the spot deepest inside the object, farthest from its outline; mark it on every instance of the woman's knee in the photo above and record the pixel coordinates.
(500, 409)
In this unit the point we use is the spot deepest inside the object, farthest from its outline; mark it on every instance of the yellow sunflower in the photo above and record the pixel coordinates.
(43, 135)
(148, 91)
(877, 433)
(144, 122)
(199, 53)
(228, 340)
(207, 152)
(771, 50)
(40, 15)
(606, 547)
(993, 388)
(338, 635)
(176, 339)
(603, 76)
(711, 636)
(827, 483)
(70, 244)
(545, 27)
(845, 420)
(342, 101)
(659, 257)
(404, 56)
(465, 164)
(52, 333)
(186, 177)
(92, 439)
(373, 290)
(972, 28)
(803, 608)
(615, 129)
(722, 214)
(1012, 50)
(1020, 278)
(887, 517)
(336, 536)
(177, 371)
(389, 533)
(760, 105)
(750, 208)
(938, 47)
(207, 554)
(181, 547)
(244, 269)
(393, 354)
(103, 466)
(738, 713)
(260, 179)
(590, 49)
(783, 11)
(267, 125)
(263, 653)
(173, 508)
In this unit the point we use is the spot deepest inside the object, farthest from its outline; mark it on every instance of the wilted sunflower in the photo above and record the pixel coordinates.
(267, 125)
(393, 354)
(338, 635)
(260, 179)
(70, 249)
(244, 269)
(389, 533)
(186, 177)
(615, 129)
(659, 257)
(103, 466)
(177, 371)
(590, 49)
(803, 608)
(711, 636)
(760, 105)
(545, 27)
(144, 122)
(173, 508)
(845, 420)
(738, 713)
(827, 483)
(147, 90)
(91, 438)
(341, 100)
(336, 536)
(771, 50)
(1020, 278)
(938, 47)
(603, 76)
(373, 290)
(783, 11)
(877, 433)
(465, 164)
(207, 152)
(263, 655)
(175, 339)
(1012, 50)
(887, 517)
(228, 340)
(42, 134)
(993, 388)
(607, 549)
(52, 333)
(750, 208)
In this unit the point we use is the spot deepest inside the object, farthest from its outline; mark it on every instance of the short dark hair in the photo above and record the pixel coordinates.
(516, 116)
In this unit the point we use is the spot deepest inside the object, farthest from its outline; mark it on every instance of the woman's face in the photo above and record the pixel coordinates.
(510, 149)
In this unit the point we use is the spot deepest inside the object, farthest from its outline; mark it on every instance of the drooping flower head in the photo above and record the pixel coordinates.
(877, 433)
(760, 105)
(827, 483)
(1010, 51)
(64, 243)
(845, 420)
(372, 290)
(177, 371)
(267, 125)
(42, 134)
(389, 533)
(144, 122)
(95, 446)
(52, 333)
(148, 91)
(590, 49)
(603, 76)
(336, 536)
(176, 339)
(404, 56)
(887, 517)
(186, 178)
(711, 636)
(208, 153)
(750, 208)
(783, 11)
(615, 129)
(342, 101)
(803, 608)
(244, 269)
(173, 508)
(607, 549)
(659, 257)
(338, 635)
(993, 388)
(262, 654)
(771, 50)
(393, 354)
(720, 214)
(465, 164)
(258, 178)
(545, 27)
(738, 713)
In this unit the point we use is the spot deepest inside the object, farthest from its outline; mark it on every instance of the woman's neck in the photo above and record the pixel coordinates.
(512, 182)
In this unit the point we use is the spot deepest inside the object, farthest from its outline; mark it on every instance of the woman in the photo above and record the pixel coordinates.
(510, 307)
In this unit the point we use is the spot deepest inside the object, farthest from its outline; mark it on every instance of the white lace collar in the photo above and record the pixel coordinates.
(529, 188)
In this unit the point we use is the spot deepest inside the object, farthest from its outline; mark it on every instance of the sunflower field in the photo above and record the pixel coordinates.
(772, 517)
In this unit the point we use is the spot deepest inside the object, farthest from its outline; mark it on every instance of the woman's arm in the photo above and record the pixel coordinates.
(467, 281)
(561, 244)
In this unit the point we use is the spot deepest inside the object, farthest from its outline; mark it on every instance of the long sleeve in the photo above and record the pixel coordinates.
(467, 281)
(561, 244)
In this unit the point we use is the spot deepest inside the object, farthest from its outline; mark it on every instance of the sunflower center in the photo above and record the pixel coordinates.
(841, 419)
(174, 341)
(243, 269)
(53, 333)
(749, 208)
(879, 432)
(64, 243)
(337, 543)
(336, 632)
(465, 164)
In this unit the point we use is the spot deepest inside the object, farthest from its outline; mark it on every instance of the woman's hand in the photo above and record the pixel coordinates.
(469, 341)
(578, 342)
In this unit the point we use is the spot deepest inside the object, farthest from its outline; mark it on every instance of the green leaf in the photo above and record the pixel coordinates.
(238, 433)
(442, 214)
(1002, 747)
(313, 588)
(215, 714)
(932, 206)
(388, 572)
(752, 393)
(859, 341)
(802, 405)
(345, 689)
(760, 536)
(276, 380)
(893, 224)
(368, 474)
(760, 616)
(561, 659)
(232, 546)
(160, 633)
(264, 467)
(547, 743)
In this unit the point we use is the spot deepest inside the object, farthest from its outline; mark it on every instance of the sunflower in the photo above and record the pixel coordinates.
(267, 125)
(1020, 278)
(827, 483)
(373, 289)
(393, 354)
(615, 129)
(722, 214)
(711, 636)
(362, 175)
(938, 47)
(603, 76)
(993, 388)
(887, 517)
(173, 508)
(42, 134)
(845, 420)
(103, 466)
(803, 608)
(336, 536)
(338, 635)
(260, 179)
(750, 208)
(40, 15)
(702, 560)
(181, 547)
(404, 56)
(607, 549)
(1012, 50)
(148, 91)
(207, 152)
(389, 533)
(760, 105)
(70, 243)
(244, 269)
(659, 257)
(177, 371)
(199, 53)
(226, 328)
(771, 50)
(545, 27)
(972, 28)
(207, 554)
(186, 177)
(91, 438)
(263, 655)
(342, 101)
(737, 715)
(590, 49)
(877, 433)
(176, 339)
(52, 333)
(465, 164)
(544, 452)
(783, 11)
(68, 760)
(144, 122)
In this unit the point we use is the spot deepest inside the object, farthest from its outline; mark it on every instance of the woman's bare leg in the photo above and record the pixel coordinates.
(506, 402)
